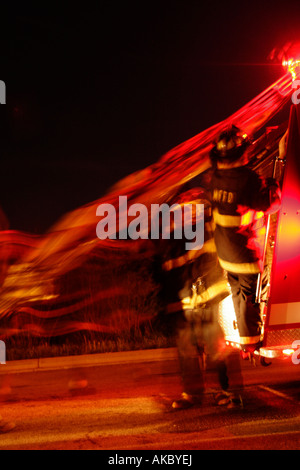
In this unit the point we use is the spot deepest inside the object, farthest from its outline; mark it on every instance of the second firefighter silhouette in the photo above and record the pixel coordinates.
(193, 285)
(240, 199)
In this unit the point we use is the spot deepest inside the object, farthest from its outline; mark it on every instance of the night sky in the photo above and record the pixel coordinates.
(98, 90)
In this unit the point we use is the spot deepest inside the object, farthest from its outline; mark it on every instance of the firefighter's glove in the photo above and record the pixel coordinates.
(271, 183)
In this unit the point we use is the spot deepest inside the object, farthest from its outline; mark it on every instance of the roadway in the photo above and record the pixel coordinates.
(127, 406)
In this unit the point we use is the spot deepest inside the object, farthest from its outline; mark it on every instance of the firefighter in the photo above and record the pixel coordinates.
(194, 284)
(240, 199)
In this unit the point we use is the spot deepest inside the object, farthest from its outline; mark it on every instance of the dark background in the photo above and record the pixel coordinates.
(98, 90)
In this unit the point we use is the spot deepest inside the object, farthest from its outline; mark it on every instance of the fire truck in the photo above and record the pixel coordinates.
(280, 301)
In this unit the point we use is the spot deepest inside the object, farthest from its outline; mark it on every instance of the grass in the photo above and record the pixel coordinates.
(19, 348)
(132, 318)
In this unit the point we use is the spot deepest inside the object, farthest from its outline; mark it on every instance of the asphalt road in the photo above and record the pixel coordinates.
(128, 407)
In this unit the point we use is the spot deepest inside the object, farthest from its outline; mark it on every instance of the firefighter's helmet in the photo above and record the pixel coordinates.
(230, 145)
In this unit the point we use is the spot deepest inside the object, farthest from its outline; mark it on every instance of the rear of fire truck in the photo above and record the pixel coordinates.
(280, 299)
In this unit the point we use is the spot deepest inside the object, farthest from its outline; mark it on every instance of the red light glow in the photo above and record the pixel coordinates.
(292, 65)
(291, 59)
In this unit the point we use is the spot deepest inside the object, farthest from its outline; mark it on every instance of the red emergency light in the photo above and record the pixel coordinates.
(291, 59)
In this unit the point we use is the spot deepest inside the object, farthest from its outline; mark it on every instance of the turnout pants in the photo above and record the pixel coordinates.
(243, 287)
(196, 336)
